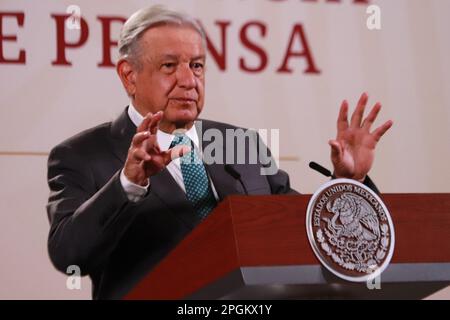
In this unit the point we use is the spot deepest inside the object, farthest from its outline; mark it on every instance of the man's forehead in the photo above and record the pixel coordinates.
(173, 41)
(169, 32)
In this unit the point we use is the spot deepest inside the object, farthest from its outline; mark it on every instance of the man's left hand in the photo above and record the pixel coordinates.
(353, 150)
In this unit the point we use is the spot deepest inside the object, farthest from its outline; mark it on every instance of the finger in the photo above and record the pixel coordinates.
(336, 150)
(176, 152)
(153, 126)
(381, 130)
(367, 123)
(138, 155)
(151, 144)
(140, 137)
(359, 111)
(342, 122)
(145, 123)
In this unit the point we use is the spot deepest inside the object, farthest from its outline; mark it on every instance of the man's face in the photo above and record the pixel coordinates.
(172, 76)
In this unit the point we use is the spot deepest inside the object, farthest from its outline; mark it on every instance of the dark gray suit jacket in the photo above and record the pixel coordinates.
(115, 241)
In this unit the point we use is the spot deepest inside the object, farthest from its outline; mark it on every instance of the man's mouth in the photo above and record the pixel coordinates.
(184, 100)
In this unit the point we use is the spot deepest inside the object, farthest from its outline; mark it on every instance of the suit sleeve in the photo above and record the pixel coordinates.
(369, 183)
(85, 223)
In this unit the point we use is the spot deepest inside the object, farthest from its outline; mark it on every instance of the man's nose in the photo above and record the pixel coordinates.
(185, 77)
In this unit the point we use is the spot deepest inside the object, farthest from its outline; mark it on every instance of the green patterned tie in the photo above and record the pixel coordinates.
(198, 189)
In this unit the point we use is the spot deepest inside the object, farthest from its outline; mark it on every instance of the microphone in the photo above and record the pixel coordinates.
(315, 166)
(233, 172)
(327, 173)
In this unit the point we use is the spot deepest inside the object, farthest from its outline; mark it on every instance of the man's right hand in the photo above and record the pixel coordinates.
(144, 156)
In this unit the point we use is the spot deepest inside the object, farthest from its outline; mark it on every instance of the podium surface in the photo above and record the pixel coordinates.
(256, 247)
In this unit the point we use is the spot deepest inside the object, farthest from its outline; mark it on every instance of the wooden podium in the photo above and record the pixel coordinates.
(256, 247)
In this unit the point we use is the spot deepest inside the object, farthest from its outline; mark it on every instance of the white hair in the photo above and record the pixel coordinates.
(144, 19)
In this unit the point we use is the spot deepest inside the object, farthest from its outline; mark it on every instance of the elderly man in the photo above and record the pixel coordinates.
(121, 198)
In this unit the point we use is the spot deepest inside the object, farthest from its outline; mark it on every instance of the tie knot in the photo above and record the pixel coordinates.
(180, 139)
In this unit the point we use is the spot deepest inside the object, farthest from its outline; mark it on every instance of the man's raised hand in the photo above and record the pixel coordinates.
(145, 157)
(353, 150)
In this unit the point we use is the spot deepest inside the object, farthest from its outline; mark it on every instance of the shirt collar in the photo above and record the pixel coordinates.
(164, 139)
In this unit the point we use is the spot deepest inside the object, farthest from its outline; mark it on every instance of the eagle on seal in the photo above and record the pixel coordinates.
(353, 218)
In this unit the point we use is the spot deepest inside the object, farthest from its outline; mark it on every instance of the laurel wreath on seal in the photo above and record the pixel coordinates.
(381, 252)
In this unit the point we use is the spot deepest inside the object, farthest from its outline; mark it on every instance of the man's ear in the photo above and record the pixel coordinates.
(127, 75)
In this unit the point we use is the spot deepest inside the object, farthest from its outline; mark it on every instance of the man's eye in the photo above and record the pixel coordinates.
(197, 65)
(168, 65)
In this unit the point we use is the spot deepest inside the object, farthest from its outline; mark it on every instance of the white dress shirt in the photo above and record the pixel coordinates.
(136, 192)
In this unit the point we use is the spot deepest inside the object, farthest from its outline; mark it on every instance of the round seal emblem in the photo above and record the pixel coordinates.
(350, 230)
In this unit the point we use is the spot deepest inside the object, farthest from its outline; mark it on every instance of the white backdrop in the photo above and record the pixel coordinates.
(404, 65)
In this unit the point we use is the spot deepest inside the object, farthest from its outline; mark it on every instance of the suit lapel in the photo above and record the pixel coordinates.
(168, 191)
(122, 131)
(224, 183)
